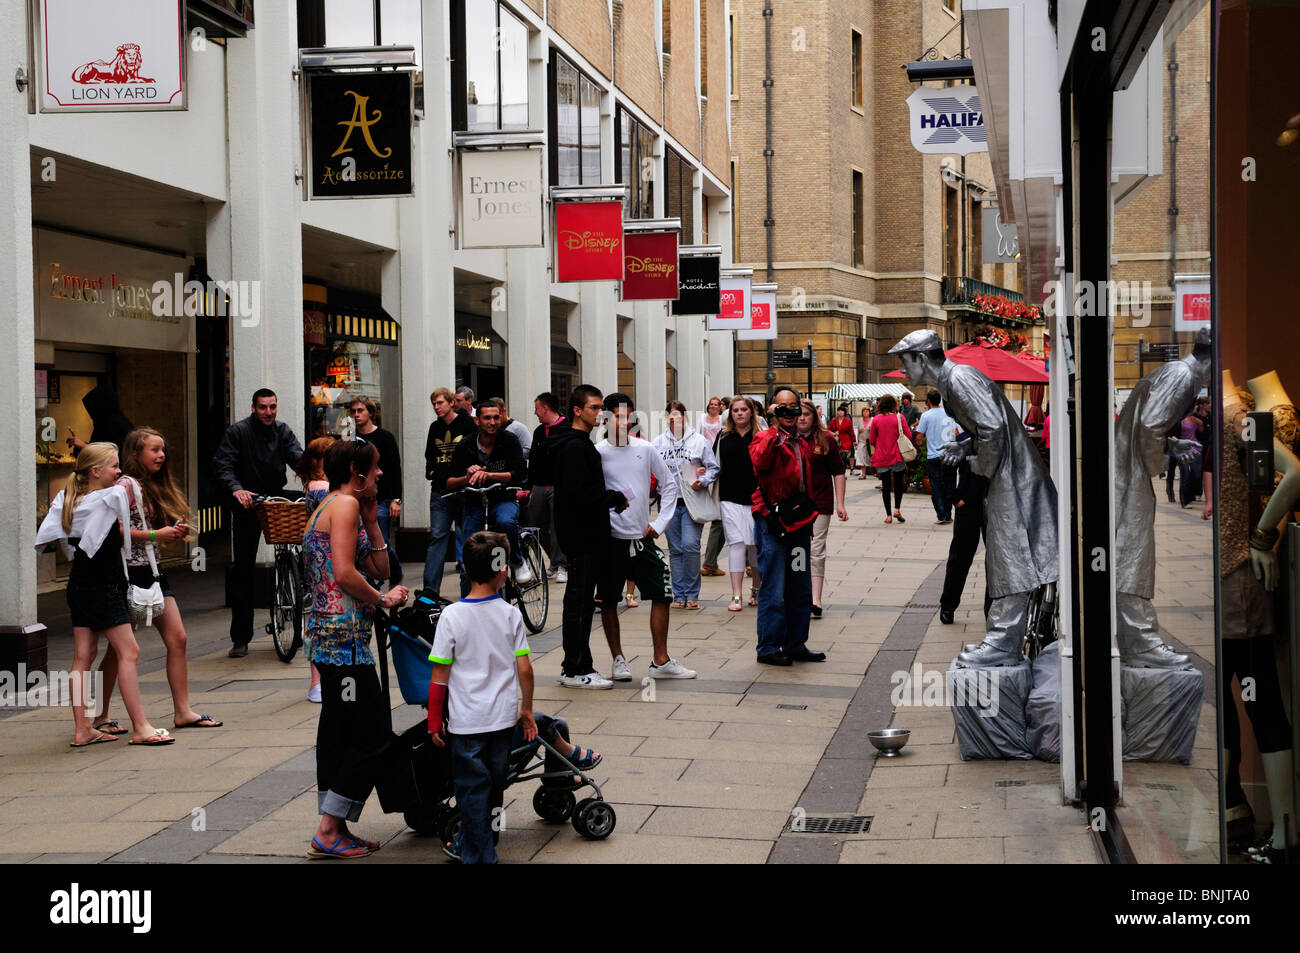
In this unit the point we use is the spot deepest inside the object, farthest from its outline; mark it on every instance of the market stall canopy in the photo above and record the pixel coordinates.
(866, 391)
(995, 363)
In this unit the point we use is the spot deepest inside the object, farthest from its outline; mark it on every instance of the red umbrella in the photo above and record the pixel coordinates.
(897, 373)
(994, 363)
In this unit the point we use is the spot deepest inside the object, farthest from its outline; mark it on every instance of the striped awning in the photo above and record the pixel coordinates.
(864, 391)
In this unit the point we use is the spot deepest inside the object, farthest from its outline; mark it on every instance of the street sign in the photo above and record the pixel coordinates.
(1160, 352)
(795, 358)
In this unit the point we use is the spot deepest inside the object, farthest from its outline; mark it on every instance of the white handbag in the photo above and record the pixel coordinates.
(142, 603)
(699, 503)
(905, 447)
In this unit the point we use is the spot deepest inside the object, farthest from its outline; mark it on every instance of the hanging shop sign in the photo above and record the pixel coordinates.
(124, 56)
(650, 266)
(699, 291)
(947, 120)
(1191, 302)
(359, 145)
(762, 310)
(313, 327)
(501, 199)
(733, 312)
(999, 240)
(589, 241)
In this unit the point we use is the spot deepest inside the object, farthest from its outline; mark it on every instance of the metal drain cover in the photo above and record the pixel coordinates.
(922, 605)
(1018, 783)
(785, 707)
(1159, 786)
(830, 825)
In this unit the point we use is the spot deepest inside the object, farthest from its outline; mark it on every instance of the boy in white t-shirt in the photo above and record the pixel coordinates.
(482, 673)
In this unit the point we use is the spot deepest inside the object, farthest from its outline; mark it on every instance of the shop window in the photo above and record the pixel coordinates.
(636, 167)
(351, 353)
(490, 64)
(575, 126)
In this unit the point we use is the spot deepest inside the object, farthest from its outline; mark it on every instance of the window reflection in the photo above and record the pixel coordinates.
(514, 73)
(481, 66)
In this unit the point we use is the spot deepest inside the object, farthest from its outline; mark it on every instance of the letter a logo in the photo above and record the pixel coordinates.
(359, 120)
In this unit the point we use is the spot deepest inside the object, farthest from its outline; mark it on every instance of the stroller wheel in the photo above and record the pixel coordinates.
(594, 819)
(426, 819)
(554, 806)
(451, 826)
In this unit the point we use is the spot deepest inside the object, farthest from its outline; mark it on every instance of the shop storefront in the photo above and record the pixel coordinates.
(480, 356)
(351, 350)
(105, 337)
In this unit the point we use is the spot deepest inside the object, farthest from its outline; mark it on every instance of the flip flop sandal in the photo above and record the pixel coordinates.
(317, 849)
(161, 736)
(631, 602)
(198, 723)
(899, 517)
(692, 604)
(102, 739)
(111, 728)
(735, 604)
(584, 759)
(370, 845)
(677, 605)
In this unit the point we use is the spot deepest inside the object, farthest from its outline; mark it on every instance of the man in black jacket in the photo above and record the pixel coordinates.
(541, 477)
(251, 462)
(447, 431)
(492, 461)
(582, 505)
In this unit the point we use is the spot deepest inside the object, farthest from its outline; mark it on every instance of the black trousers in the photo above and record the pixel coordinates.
(967, 525)
(579, 609)
(352, 737)
(1252, 659)
(247, 535)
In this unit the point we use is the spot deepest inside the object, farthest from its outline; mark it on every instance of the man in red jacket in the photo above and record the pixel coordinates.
(783, 531)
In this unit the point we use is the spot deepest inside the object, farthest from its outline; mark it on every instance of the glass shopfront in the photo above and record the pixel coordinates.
(480, 356)
(351, 352)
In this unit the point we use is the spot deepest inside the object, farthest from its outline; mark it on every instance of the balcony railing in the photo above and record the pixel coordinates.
(993, 302)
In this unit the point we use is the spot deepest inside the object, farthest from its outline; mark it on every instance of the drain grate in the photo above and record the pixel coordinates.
(922, 605)
(830, 825)
(785, 707)
(1017, 783)
(1159, 786)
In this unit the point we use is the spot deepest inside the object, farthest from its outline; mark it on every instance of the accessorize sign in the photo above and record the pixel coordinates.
(698, 289)
(589, 241)
(360, 143)
(947, 120)
(762, 318)
(650, 266)
(501, 199)
(733, 313)
(123, 56)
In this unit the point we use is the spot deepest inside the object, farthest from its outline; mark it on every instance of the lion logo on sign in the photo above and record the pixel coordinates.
(125, 68)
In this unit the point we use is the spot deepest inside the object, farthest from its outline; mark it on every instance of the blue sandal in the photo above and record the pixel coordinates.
(584, 759)
(317, 849)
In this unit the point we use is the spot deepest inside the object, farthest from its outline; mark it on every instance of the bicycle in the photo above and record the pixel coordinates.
(533, 597)
(1040, 631)
(283, 523)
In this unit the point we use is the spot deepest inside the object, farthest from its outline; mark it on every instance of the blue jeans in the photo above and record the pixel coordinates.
(504, 518)
(386, 527)
(943, 488)
(684, 554)
(442, 513)
(785, 597)
(479, 764)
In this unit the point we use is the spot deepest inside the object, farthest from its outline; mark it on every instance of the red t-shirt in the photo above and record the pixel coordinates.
(884, 439)
(844, 427)
(825, 464)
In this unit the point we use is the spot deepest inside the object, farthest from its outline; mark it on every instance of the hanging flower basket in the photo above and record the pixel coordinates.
(1005, 307)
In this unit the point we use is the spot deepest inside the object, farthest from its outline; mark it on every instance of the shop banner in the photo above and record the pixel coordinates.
(650, 266)
(124, 56)
(501, 199)
(360, 142)
(733, 314)
(698, 290)
(1191, 303)
(762, 318)
(589, 241)
(947, 120)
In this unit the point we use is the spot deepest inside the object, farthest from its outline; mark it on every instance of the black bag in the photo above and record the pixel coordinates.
(794, 512)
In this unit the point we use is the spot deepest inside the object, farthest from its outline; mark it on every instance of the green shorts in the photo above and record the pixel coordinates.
(639, 560)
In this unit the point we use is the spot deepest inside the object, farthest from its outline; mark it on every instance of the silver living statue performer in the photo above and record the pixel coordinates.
(1020, 510)
(1157, 403)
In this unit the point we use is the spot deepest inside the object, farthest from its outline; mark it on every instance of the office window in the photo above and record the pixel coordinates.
(735, 218)
(666, 25)
(575, 125)
(679, 194)
(857, 69)
(951, 230)
(636, 165)
(859, 223)
(490, 63)
(348, 23)
(731, 45)
(704, 48)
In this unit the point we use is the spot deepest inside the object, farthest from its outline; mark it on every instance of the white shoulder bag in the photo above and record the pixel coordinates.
(143, 604)
(905, 446)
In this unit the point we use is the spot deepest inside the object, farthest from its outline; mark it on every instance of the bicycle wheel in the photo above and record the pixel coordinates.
(533, 599)
(287, 610)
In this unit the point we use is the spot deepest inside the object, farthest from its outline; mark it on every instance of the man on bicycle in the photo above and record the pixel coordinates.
(492, 461)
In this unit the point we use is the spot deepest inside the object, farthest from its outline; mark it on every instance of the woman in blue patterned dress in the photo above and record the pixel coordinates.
(354, 729)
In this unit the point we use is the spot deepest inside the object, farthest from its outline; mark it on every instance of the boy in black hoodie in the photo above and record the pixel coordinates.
(582, 505)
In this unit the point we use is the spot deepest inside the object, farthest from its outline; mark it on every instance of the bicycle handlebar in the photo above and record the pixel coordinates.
(485, 489)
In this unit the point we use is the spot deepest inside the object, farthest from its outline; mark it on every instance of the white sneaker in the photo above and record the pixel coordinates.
(671, 669)
(594, 680)
(621, 673)
(313, 694)
(523, 575)
(561, 575)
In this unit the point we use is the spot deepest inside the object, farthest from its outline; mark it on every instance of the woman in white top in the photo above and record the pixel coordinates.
(710, 428)
(863, 451)
(690, 458)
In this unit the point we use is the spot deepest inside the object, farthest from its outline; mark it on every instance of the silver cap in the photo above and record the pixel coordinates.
(923, 340)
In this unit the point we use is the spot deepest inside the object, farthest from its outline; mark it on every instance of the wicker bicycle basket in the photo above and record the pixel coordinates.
(283, 521)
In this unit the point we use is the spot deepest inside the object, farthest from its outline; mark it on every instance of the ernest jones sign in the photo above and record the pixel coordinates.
(501, 199)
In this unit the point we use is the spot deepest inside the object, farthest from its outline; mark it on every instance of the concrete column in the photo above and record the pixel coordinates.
(597, 344)
(528, 324)
(649, 353)
(691, 362)
(428, 337)
(722, 368)
(265, 224)
(22, 639)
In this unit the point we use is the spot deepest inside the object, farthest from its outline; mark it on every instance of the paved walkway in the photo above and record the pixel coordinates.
(710, 770)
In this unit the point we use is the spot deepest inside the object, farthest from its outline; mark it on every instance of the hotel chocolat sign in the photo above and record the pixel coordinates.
(124, 56)
(650, 266)
(360, 134)
(700, 291)
(501, 199)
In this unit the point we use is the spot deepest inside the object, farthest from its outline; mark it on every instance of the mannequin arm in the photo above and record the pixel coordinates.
(1263, 562)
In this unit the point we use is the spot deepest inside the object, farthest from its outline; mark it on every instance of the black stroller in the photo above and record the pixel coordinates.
(416, 781)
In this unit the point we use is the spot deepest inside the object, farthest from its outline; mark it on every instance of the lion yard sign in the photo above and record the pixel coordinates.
(360, 145)
(112, 57)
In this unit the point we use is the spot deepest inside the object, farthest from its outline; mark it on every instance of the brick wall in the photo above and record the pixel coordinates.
(585, 24)
(717, 143)
(681, 102)
(636, 66)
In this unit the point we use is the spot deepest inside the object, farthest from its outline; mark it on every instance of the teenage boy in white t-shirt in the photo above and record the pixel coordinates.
(482, 673)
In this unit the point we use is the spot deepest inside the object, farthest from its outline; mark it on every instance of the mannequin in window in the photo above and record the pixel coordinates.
(1249, 570)
(1157, 403)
